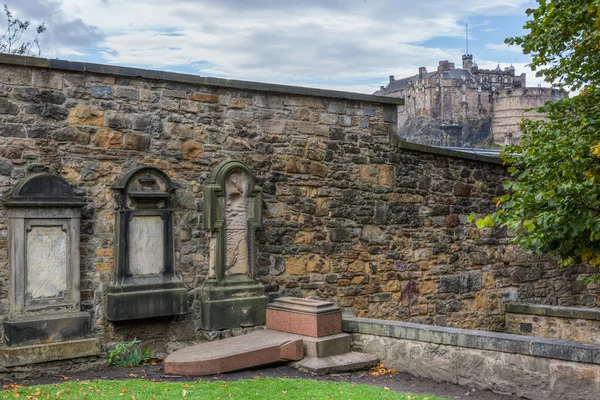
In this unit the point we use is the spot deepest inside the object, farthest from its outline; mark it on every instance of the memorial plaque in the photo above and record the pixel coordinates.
(44, 214)
(46, 262)
(145, 284)
(146, 245)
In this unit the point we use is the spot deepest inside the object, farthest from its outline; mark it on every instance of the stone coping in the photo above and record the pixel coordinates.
(448, 153)
(483, 340)
(553, 311)
(76, 66)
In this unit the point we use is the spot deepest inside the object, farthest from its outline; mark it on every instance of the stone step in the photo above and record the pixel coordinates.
(232, 354)
(325, 346)
(352, 361)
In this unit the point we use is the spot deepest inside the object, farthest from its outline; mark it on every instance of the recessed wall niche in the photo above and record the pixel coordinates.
(145, 284)
(45, 321)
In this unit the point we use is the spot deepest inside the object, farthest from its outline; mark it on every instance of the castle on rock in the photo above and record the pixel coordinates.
(467, 106)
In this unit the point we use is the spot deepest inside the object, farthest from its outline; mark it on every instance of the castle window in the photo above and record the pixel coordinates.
(463, 88)
(478, 89)
(493, 79)
(464, 98)
(505, 80)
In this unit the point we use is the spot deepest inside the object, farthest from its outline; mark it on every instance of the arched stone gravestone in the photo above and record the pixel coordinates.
(145, 284)
(45, 321)
(231, 296)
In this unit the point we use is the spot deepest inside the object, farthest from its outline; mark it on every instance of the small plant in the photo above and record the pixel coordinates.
(128, 354)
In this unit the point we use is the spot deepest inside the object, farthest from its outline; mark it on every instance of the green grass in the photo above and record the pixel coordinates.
(267, 388)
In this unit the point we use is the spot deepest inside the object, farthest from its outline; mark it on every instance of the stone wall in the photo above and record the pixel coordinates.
(533, 368)
(350, 215)
(565, 323)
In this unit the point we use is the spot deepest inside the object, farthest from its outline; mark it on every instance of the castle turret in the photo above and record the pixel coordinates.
(467, 60)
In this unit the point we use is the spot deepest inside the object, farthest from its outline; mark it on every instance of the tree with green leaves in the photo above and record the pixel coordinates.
(10, 41)
(552, 203)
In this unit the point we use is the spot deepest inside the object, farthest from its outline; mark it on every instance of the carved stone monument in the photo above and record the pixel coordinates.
(145, 284)
(231, 296)
(45, 321)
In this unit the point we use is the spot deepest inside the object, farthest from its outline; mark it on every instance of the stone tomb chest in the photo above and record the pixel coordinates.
(45, 321)
(145, 284)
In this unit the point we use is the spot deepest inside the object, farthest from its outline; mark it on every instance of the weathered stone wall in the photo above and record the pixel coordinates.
(533, 368)
(349, 215)
(555, 322)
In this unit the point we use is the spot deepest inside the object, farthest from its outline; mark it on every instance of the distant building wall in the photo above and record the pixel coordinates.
(510, 109)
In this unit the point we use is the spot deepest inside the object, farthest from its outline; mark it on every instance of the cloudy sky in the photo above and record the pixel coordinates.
(349, 45)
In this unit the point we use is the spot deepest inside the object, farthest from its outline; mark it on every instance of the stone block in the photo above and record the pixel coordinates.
(137, 142)
(562, 350)
(494, 341)
(379, 297)
(532, 309)
(296, 266)
(352, 361)
(327, 346)
(304, 317)
(41, 353)
(126, 92)
(15, 76)
(180, 94)
(368, 173)
(192, 150)
(102, 92)
(86, 115)
(470, 281)
(108, 139)
(6, 107)
(449, 284)
(46, 328)
(462, 189)
(336, 107)
(226, 313)
(12, 130)
(72, 134)
(386, 175)
(369, 112)
(340, 235)
(47, 79)
(122, 306)
(204, 97)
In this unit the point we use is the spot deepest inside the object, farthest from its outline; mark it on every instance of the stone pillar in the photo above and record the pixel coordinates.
(145, 284)
(231, 296)
(45, 321)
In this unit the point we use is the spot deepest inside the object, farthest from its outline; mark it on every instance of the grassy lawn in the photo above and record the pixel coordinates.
(267, 388)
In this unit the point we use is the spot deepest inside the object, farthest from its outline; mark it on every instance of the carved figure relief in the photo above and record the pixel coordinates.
(236, 225)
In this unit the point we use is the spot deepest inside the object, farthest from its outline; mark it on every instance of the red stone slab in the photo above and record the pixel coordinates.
(232, 354)
(304, 317)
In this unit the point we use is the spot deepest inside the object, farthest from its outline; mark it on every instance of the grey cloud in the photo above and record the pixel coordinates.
(62, 30)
